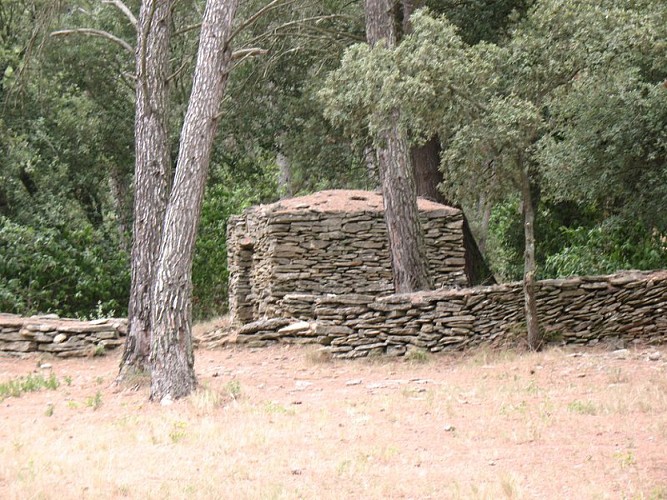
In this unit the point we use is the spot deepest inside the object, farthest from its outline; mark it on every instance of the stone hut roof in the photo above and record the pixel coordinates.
(349, 201)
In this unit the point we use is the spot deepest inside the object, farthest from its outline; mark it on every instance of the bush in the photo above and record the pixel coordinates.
(71, 271)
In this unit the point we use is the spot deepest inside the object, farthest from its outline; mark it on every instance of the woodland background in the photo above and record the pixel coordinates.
(577, 90)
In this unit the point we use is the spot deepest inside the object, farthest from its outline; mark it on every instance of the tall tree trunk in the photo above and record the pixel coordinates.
(530, 302)
(172, 359)
(406, 239)
(151, 176)
(426, 164)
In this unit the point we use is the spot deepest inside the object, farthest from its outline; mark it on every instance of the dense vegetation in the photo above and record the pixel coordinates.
(571, 92)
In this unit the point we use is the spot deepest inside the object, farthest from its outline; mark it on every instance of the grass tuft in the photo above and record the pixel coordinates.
(16, 387)
(583, 407)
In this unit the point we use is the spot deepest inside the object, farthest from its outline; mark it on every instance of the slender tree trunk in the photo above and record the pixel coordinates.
(406, 239)
(284, 176)
(172, 359)
(151, 176)
(120, 197)
(532, 322)
(484, 212)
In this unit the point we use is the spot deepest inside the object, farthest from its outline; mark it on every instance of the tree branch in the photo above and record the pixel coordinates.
(95, 33)
(241, 54)
(179, 71)
(274, 4)
(124, 9)
(305, 21)
(187, 28)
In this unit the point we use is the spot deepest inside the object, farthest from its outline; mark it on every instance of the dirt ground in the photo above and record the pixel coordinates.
(285, 422)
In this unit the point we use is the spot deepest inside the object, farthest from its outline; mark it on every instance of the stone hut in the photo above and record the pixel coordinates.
(284, 256)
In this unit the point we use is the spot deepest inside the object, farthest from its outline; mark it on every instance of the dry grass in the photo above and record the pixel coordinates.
(201, 328)
(286, 422)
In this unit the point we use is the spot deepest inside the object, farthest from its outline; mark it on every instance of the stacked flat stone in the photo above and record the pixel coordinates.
(630, 307)
(60, 337)
(300, 248)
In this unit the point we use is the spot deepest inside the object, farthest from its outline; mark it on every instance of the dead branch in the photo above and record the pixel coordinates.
(95, 33)
(124, 9)
(274, 4)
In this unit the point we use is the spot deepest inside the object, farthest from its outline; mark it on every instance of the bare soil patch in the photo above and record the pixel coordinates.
(282, 422)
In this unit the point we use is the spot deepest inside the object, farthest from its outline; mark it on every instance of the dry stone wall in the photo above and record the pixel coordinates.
(60, 337)
(626, 307)
(316, 249)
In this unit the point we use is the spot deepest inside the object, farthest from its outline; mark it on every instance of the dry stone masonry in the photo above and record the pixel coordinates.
(316, 269)
(622, 308)
(282, 256)
(60, 337)
(628, 307)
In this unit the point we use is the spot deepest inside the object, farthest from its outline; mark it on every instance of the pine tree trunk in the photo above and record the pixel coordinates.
(530, 302)
(426, 161)
(172, 359)
(406, 239)
(151, 177)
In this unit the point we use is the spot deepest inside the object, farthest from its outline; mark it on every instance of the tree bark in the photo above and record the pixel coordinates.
(151, 177)
(426, 162)
(530, 302)
(406, 239)
(172, 359)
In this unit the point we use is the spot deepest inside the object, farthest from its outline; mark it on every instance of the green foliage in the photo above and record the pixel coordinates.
(94, 402)
(505, 241)
(606, 248)
(234, 185)
(609, 144)
(233, 389)
(572, 240)
(16, 387)
(571, 94)
(65, 137)
(274, 110)
(481, 20)
(61, 268)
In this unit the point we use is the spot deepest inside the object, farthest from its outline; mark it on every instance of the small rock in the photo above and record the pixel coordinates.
(60, 338)
(654, 356)
(45, 366)
(449, 428)
(420, 380)
(356, 381)
(620, 353)
(166, 401)
(301, 385)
